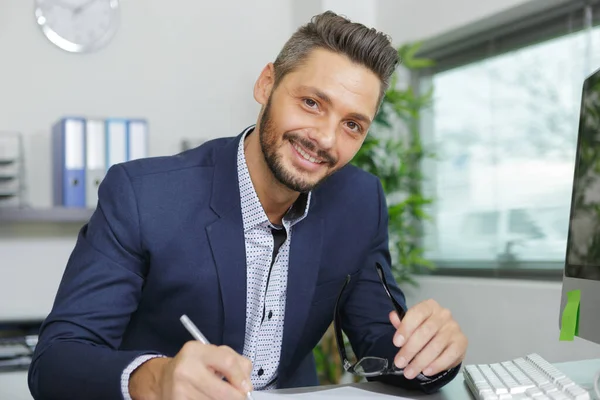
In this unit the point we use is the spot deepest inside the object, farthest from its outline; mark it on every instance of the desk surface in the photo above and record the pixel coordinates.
(582, 372)
(13, 385)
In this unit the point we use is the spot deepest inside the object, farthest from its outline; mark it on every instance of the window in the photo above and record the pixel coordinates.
(503, 127)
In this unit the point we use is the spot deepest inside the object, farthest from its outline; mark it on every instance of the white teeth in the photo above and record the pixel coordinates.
(306, 155)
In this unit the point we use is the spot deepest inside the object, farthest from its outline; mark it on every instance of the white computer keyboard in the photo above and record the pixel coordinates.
(530, 377)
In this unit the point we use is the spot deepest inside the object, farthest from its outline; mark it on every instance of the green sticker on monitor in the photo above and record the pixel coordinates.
(570, 318)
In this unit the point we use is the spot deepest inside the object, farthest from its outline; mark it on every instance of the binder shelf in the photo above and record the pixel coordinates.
(56, 215)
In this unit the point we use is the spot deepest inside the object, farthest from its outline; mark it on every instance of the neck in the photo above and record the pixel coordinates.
(275, 198)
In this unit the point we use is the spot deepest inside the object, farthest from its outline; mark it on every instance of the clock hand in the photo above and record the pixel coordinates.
(64, 5)
(77, 10)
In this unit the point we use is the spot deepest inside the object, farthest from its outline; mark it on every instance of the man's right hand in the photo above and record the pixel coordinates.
(194, 373)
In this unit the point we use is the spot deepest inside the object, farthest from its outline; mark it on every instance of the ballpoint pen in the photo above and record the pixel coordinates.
(195, 332)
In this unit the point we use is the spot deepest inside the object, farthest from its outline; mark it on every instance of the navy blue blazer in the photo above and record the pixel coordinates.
(166, 239)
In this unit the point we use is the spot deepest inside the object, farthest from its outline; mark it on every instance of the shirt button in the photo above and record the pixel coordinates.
(270, 314)
(261, 372)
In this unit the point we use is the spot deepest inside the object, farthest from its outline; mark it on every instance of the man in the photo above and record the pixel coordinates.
(252, 237)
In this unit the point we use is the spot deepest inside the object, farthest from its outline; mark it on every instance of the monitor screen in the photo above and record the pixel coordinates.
(583, 244)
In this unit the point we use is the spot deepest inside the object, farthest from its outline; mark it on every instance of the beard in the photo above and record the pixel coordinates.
(268, 143)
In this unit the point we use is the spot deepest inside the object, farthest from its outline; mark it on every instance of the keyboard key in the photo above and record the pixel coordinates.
(534, 392)
(490, 396)
(564, 383)
(484, 387)
(520, 396)
(548, 387)
(526, 367)
(558, 396)
(523, 380)
(475, 373)
(578, 393)
(535, 375)
(530, 377)
(507, 379)
(545, 367)
(494, 381)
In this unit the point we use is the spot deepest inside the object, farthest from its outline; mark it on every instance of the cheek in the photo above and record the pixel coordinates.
(347, 148)
(288, 118)
(292, 118)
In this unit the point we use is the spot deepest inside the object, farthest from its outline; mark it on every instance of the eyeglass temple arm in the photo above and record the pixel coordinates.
(397, 306)
(338, 329)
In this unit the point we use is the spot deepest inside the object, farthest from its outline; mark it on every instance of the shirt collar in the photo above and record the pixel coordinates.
(249, 199)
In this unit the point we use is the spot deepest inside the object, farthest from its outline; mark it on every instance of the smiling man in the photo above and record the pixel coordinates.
(253, 237)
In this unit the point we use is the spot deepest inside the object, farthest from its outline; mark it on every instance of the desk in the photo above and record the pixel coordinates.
(582, 372)
(13, 385)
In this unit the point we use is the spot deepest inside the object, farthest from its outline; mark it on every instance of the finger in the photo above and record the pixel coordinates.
(193, 380)
(213, 387)
(427, 355)
(199, 372)
(417, 341)
(246, 366)
(395, 319)
(232, 366)
(449, 358)
(415, 316)
(444, 362)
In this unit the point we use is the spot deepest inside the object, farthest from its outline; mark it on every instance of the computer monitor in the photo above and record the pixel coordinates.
(582, 267)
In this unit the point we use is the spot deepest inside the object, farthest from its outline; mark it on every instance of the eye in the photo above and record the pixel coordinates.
(354, 126)
(310, 103)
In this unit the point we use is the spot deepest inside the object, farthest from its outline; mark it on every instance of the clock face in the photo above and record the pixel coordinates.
(78, 25)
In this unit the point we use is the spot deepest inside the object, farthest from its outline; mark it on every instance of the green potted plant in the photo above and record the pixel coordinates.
(393, 151)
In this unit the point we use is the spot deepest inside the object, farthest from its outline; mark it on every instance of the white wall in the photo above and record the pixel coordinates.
(30, 271)
(363, 11)
(188, 66)
(504, 319)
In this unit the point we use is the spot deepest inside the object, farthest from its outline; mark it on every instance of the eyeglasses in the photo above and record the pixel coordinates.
(366, 366)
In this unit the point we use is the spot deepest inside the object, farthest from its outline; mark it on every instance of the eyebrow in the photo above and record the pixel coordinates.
(325, 98)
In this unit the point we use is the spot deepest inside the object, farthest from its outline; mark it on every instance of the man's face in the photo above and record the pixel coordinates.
(317, 118)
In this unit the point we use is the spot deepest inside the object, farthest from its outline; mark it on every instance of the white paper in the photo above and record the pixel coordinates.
(347, 393)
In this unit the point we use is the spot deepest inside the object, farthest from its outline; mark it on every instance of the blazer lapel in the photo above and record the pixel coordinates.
(226, 237)
(303, 271)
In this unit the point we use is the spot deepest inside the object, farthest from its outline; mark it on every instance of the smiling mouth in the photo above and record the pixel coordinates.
(306, 156)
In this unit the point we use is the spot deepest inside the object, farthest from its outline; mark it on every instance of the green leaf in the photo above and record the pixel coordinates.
(421, 63)
(394, 151)
(407, 54)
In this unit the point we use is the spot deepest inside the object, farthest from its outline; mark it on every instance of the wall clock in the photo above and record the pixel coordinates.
(78, 26)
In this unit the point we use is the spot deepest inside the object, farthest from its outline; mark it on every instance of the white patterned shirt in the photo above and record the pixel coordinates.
(266, 285)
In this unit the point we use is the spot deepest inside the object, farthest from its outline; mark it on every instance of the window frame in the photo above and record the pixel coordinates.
(528, 24)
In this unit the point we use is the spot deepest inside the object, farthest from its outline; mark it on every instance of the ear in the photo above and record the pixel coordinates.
(264, 84)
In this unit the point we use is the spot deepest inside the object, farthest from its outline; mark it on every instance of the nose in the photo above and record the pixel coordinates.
(324, 136)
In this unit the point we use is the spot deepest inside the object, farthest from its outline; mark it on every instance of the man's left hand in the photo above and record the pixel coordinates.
(430, 340)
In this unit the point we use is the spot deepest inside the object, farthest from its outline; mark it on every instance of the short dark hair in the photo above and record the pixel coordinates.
(330, 31)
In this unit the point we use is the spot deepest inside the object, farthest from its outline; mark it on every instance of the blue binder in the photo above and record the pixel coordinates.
(68, 154)
(137, 139)
(116, 141)
(95, 159)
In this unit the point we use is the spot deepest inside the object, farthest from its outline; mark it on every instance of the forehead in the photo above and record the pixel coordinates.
(346, 82)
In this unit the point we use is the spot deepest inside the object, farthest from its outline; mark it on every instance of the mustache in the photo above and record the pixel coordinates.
(311, 146)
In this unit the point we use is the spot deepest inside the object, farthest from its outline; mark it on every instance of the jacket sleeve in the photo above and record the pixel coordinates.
(365, 311)
(77, 355)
